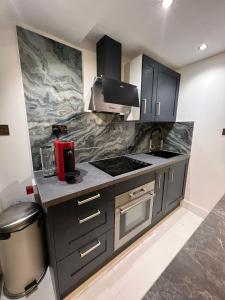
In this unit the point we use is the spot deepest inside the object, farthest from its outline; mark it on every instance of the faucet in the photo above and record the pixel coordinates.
(151, 146)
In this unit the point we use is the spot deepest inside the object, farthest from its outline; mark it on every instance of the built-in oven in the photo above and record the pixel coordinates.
(133, 213)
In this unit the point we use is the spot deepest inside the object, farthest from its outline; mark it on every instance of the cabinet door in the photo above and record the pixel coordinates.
(176, 180)
(158, 207)
(148, 88)
(167, 94)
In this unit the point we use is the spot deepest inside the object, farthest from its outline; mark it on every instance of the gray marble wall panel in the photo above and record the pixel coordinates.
(52, 78)
(177, 136)
(53, 88)
(99, 136)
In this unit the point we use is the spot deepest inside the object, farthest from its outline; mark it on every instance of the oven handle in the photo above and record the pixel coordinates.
(143, 199)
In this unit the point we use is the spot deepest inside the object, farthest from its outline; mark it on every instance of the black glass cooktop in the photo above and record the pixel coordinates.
(119, 165)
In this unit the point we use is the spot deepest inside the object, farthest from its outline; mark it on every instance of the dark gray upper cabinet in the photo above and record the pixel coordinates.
(167, 94)
(148, 88)
(159, 87)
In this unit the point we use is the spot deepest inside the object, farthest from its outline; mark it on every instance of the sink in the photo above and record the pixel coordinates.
(164, 154)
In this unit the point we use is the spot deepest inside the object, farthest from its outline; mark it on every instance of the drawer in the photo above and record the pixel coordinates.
(69, 209)
(84, 225)
(130, 184)
(83, 262)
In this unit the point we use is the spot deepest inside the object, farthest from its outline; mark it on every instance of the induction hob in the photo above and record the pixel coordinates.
(119, 165)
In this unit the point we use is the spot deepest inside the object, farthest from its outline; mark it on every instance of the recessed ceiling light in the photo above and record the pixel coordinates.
(203, 47)
(167, 3)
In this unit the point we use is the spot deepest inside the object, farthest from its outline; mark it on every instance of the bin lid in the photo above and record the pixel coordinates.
(18, 216)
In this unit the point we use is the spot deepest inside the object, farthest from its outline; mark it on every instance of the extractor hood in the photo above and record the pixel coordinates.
(109, 93)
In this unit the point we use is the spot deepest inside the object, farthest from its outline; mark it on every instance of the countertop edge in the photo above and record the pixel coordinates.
(51, 202)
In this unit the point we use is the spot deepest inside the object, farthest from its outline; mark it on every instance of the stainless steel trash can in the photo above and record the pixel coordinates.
(22, 253)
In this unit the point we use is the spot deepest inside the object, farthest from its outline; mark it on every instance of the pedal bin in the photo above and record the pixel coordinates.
(22, 253)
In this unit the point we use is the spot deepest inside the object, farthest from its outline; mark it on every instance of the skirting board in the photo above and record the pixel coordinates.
(199, 211)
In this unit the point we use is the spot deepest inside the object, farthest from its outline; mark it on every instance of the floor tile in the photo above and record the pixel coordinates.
(134, 271)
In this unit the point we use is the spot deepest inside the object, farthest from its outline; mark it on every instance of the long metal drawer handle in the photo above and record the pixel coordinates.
(145, 105)
(137, 192)
(83, 254)
(172, 175)
(88, 199)
(159, 181)
(89, 217)
(123, 211)
(158, 108)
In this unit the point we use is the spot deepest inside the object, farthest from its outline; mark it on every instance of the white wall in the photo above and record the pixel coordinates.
(202, 100)
(15, 156)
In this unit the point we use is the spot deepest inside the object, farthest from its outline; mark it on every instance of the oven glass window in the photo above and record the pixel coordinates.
(134, 217)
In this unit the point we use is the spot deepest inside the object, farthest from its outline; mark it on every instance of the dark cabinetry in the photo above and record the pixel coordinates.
(159, 91)
(158, 207)
(81, 231)
(148, 88)
(80, 237)
(176, 180)
(170, 187)
(75, 268)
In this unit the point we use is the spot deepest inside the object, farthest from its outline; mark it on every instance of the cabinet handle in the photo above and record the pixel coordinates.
(142, 190)
(159, 181)
(145, 105)
(88, 199)
(89, 217)
(172, 175)
(158, 108)
(125, 208)
(83, 254)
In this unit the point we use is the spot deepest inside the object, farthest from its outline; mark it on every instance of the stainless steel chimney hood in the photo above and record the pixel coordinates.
(109, 93)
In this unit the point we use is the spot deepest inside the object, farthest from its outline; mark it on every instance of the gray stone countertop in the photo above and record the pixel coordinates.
(52, 191)
(198, 270)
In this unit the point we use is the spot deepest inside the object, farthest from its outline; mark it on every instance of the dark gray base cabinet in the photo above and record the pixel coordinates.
(176, 181)
(170, 188)
(80, 232)
(158, 206)
(74, 269)
(80, 238)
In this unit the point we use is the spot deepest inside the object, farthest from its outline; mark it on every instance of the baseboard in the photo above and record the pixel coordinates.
(199, 211)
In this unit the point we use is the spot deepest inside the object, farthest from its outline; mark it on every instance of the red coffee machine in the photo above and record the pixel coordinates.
(65, 160)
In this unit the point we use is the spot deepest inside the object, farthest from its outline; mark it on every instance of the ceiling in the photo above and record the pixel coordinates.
(142, 26)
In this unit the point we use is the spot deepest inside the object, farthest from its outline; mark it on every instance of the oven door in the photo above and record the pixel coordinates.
(132, 218)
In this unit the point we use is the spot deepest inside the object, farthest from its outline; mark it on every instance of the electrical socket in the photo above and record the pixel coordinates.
(59, 129)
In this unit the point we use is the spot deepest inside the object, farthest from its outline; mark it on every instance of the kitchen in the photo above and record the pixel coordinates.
(158, 156)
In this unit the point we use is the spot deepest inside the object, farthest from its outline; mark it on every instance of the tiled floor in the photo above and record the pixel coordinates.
(132, 273)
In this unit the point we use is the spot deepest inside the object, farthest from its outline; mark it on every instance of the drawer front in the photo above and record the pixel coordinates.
(83, 262)
(70, 235)
(69, 209)
(130, 184)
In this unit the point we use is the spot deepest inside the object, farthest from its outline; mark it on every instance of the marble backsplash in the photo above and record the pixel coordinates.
(53, 89)
(99, 136)
(52, 78)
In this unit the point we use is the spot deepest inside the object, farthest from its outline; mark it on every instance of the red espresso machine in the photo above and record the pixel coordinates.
(65, 160)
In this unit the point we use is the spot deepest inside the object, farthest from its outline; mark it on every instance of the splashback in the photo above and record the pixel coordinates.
(53, 89)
